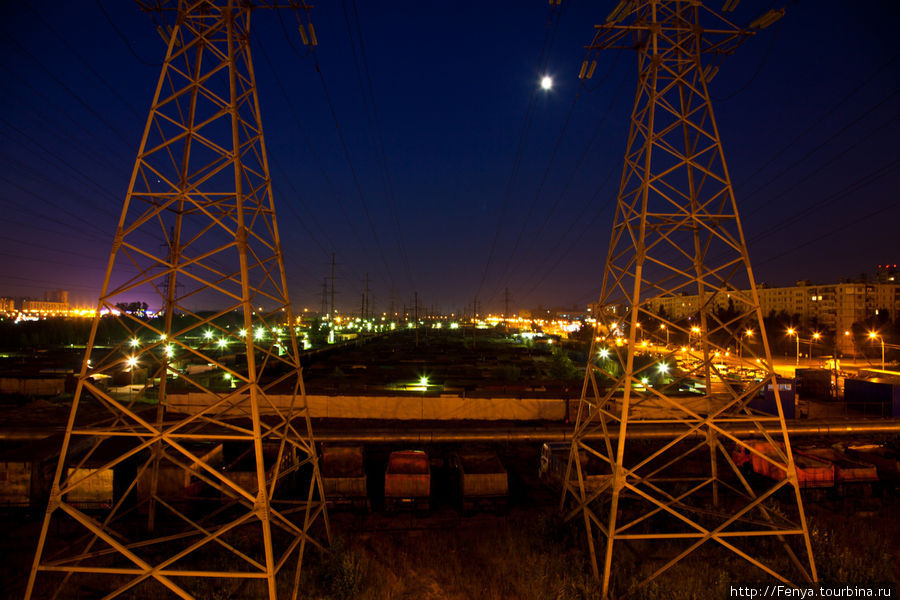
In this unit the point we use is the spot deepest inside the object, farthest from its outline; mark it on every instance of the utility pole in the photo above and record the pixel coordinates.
(416, 313)
(324, 298)
(676, 228)
(202, 176)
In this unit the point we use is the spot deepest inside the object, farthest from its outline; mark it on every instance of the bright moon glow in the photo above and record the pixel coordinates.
(546, 82)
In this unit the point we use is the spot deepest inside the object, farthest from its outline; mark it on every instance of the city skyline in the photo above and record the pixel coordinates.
(807, 140)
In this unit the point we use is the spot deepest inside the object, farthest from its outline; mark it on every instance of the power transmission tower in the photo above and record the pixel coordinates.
(676, 231)
(217, 478)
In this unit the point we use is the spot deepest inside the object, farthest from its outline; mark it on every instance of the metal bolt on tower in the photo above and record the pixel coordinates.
(206, 476)
(676, 232)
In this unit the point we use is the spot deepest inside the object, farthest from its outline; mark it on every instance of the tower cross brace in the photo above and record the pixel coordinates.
(201, 472)
(677, 232)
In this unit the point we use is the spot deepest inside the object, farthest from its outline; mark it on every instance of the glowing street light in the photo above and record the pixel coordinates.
(131, 362)
(546, 82)
(815, 336)
(873, 336)
(748, 333)
(604, 352)
(793, 332)
(222, 343)
(135, 342)
(663, 368)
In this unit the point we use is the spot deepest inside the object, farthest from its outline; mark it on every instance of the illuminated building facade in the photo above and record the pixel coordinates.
(829, 307)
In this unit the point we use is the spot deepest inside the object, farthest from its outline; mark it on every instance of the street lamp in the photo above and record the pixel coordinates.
(815, 336)
(873, 336)
(666, 329)
(796, 334)
(132, 362)
(748, 333)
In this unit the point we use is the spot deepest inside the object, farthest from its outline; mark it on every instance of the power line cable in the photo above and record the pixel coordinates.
(124, 39)
(829, 234)
(506, 274)
(573, 242)
(818, 147)
(820, 119)
(86, 64)
(380, 151)
(549, 36)
(59, 110)
(758, 68)
(71, 92)
(294, 113)
(870, 177)
(580, 214)
(353, 174)
(866, 138)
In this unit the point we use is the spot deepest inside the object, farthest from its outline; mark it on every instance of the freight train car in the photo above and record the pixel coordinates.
(849, 474)
(811, 472)
(407, 481)
(344, 477)
(482, 482)
(555, 460)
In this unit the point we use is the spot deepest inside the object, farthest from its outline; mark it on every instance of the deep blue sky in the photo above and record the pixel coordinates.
(810, 143)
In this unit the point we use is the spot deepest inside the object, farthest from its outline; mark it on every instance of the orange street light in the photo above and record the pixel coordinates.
(815, 336)
(793, 332)
(873, 336)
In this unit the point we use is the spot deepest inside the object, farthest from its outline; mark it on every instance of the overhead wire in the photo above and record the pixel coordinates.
(506, 274)
(86, 64)
(833, 137)
(44, 283)
(124, 39)
(347, 157)
(832, 232)
(846, 149)
(812, 127)
(312, 152)
(816, 122)
(546, 46)
(870, 177)
(87, 106)
(759, 68)
(62, 111)
(380, 151)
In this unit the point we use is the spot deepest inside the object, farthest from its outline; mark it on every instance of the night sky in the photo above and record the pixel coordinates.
(807, 110)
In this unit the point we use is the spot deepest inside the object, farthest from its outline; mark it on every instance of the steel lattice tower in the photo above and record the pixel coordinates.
(224, 410)
(676, 232)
